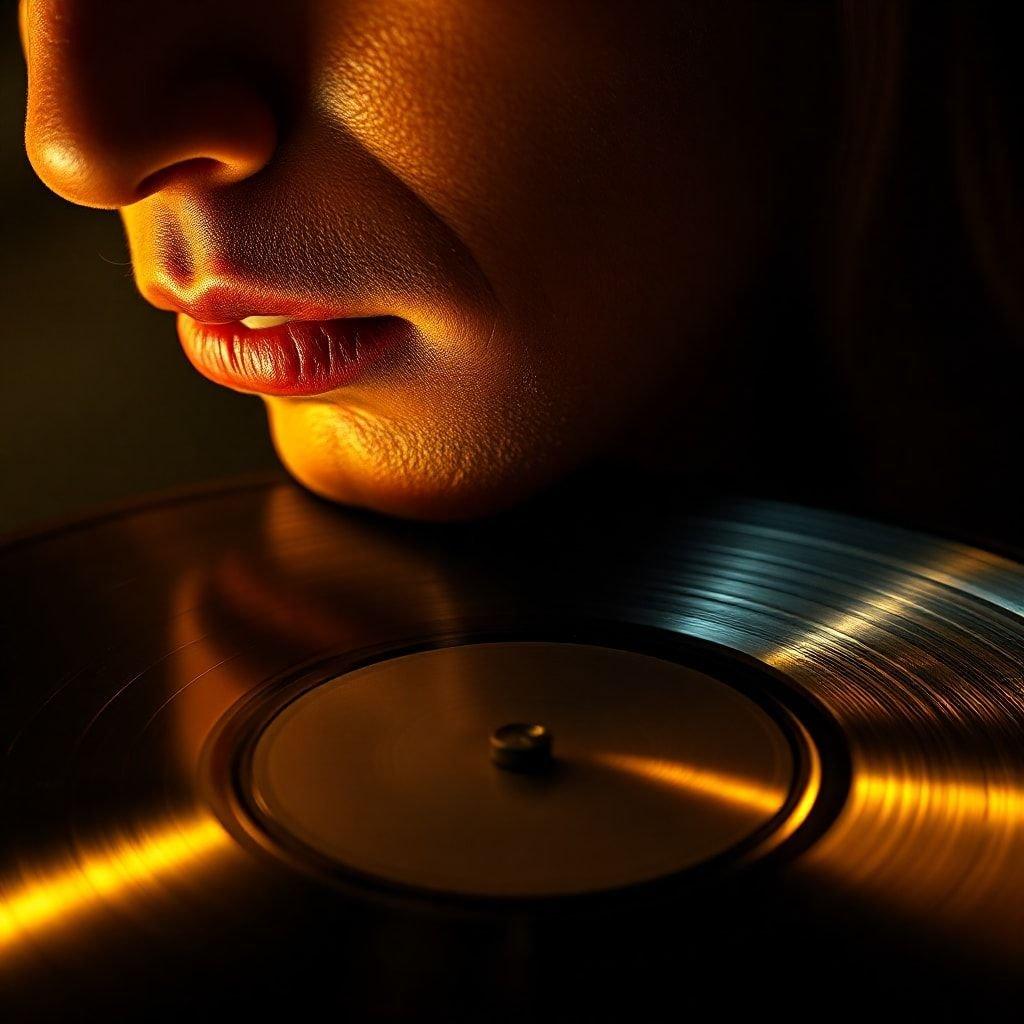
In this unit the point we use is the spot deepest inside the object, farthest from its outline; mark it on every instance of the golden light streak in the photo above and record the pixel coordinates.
(916, 835)
(39, 903)
(851, 625)
(931, 836)
(738, 791)
(719, 786)
(809, 795)
(995, 804)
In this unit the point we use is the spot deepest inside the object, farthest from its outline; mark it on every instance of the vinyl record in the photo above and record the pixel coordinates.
(264, 753)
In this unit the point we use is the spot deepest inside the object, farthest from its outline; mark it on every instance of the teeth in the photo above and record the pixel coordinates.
(260, 323)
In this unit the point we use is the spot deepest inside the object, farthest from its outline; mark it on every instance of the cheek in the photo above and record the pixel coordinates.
(483, 112)
(593, 184)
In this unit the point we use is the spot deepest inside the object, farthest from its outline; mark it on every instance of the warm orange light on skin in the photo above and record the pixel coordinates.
(500, 222)
(31, 905)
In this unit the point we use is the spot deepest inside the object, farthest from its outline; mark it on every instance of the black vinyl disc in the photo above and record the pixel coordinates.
(261, 753)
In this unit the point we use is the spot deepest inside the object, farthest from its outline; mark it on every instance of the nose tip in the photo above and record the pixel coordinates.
(205, 138)
(120, 106)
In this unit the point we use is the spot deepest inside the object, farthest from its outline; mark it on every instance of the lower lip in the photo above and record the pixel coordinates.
(303, 357)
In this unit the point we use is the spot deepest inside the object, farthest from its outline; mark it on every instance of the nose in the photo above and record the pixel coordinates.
(117, 112)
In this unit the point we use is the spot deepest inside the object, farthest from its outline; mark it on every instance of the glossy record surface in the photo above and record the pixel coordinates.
(127, 639)
(386, 770)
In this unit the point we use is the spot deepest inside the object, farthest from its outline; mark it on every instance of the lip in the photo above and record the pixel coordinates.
(299, 358)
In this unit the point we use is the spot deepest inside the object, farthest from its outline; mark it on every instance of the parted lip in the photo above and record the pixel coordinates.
(220, 303)
(321, 347)
(298, 358)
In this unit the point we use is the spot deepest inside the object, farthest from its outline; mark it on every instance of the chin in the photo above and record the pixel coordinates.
(360, 461)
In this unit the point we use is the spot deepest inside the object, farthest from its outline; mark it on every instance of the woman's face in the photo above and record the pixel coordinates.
(503, 232)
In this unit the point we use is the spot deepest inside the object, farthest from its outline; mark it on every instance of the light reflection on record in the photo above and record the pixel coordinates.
(129, 641)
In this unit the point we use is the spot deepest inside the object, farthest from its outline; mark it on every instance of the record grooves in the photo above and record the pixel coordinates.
(246, 761)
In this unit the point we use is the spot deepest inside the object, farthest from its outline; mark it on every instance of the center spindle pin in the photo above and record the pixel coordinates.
(521, 747)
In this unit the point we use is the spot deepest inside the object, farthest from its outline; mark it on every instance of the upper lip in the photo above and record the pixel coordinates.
(218, 303)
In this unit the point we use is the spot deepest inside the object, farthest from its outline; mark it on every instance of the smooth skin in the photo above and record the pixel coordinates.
(565, 201)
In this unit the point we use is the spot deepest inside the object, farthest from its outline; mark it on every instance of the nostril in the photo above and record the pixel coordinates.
(119, 108)
(230, 136)
(195, 169)
(100, 153)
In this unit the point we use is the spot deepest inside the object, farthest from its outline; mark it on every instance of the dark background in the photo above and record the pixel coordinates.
(97, 401)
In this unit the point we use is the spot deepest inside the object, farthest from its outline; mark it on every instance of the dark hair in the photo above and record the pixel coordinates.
(925, 293)
(932, 127)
